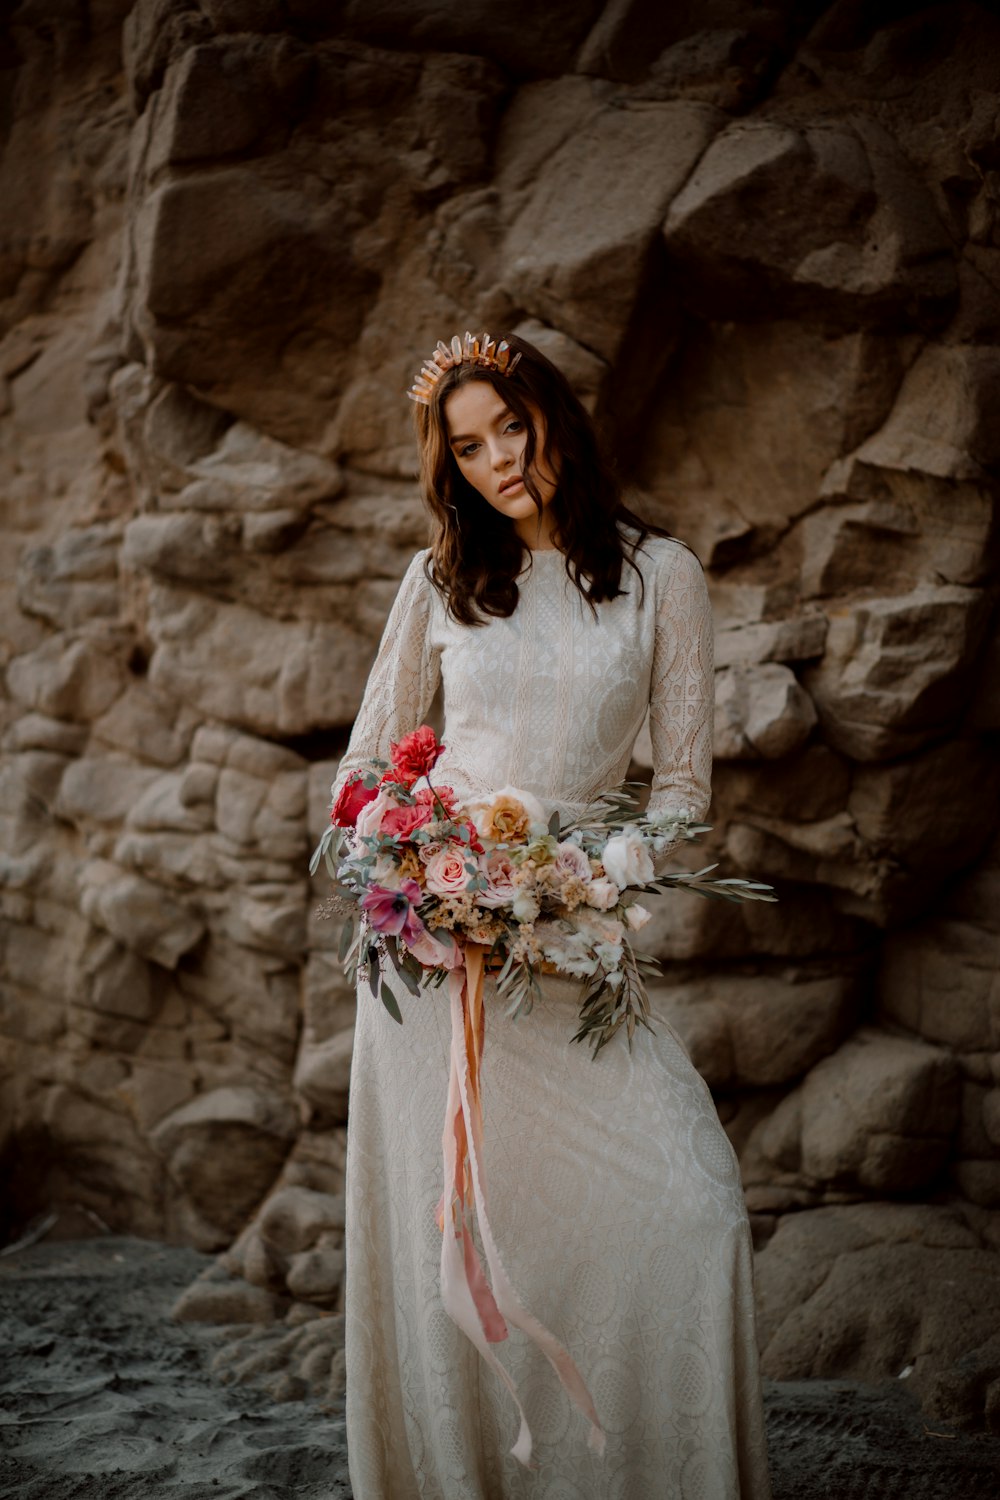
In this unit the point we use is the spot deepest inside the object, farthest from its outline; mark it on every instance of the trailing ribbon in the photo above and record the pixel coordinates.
(482, 1312)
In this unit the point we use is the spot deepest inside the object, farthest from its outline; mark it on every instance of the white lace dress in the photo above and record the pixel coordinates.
(615, 1196)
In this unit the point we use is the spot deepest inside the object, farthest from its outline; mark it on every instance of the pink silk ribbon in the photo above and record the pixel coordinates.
(482, 1312)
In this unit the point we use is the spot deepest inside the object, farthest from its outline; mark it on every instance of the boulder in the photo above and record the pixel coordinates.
(317, 1275)
(102, 789)
(761, 713)
(878, 1116)
(865, 244)
(896, 671)
(213, 1301)
(938, 977)
(229, 96)
(799, 638)
(576, 252)
(905, 530)
(139, 914)
(76, 679)
(146, 725)
(778, 402)
(946, 418)
(74, 579)
(300, 675)
(223, 1150)
(323, 1073)
(876, 1291)
(758, 1029)
(293, 1219)
(545, 45)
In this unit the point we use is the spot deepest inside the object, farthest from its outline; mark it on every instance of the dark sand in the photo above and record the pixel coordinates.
(103, 1396)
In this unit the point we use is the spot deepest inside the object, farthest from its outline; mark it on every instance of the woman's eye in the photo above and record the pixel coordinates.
(468, 450)
(514, 425)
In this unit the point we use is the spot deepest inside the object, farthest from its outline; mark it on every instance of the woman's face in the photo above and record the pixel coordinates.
(488, 442)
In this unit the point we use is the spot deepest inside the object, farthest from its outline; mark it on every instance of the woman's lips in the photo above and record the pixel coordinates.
(509, 486)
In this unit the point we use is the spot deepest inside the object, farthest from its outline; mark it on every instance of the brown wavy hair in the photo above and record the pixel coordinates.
(476, 554)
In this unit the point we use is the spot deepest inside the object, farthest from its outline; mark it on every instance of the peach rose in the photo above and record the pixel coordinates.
(499, 874)
(445, 871)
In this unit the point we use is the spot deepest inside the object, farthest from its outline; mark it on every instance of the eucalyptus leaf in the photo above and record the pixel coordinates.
(391, 1004)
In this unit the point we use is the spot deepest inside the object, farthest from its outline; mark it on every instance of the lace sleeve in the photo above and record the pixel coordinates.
(681, 701)
(403, 679)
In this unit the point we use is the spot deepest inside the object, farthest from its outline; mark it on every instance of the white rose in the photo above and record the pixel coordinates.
(371, 815)
(626, 859)
(603, 894)
(636, 916)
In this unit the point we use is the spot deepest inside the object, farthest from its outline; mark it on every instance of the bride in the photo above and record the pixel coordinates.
(555, 619)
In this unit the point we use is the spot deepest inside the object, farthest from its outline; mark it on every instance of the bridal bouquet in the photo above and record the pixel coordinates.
(421, 876)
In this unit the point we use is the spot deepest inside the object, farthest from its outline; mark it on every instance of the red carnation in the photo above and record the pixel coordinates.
(416, 755)
(351, 798)
(400, 822)
(443, 794)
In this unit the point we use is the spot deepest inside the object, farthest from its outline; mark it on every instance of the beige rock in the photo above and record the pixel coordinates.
(224, 1149)
(938, 978)
(778, 403)
(863, 1292)
(298, 677)
(76, 680)
(293, 1219)
(761, 712)
(146, 725)
(323, 1072)
(896, 671)
(37, 732)
(759, 1029)
(317, 1275)
(878, 1114)
(799, 639)
(103, 789)
(890, 531)
(329, 1003)
(212, 1301)
(945, 419)
(582, 272)
(272, 919)
(865, 243)
(161, 807)
(138, 913)
(73, 580)
(179, 861)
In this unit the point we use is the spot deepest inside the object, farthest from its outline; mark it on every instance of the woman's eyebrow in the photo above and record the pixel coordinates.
(471, 437)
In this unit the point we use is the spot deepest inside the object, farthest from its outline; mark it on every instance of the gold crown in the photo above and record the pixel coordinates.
(482, 351)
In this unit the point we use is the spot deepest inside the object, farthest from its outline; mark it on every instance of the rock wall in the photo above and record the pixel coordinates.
(763, 242)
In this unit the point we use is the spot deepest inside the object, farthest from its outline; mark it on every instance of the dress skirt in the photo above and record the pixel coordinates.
(615, 1200)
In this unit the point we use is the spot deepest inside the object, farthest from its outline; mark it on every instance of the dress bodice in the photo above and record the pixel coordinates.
(551, 699)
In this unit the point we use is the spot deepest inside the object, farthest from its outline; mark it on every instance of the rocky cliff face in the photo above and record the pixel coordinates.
(763, 242)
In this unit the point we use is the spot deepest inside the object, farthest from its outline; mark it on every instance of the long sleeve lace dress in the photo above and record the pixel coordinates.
(615, 1195)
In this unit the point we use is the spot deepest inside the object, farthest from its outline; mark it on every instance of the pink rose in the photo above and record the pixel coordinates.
(500, 886)
(446, 873)
(436, 951)
(571, 859)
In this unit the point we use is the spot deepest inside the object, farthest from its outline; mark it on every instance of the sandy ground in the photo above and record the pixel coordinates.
(103, 1396)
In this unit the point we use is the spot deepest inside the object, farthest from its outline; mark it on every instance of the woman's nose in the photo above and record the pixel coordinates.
(501, 455)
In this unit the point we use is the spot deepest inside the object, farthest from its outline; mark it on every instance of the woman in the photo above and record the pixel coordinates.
(554, 618)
